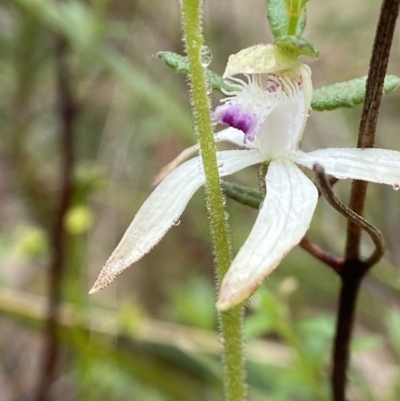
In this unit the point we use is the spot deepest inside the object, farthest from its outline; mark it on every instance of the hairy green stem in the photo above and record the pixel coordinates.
(231, 321)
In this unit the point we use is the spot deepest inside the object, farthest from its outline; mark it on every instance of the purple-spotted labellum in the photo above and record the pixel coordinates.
(237, 119)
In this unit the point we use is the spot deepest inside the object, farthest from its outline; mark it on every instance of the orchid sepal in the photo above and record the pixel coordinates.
(372, 164)
(261, 59)
(163, 208)
(283, 220)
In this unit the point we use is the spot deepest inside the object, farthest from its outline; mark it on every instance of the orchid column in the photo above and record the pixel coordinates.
(230, 321)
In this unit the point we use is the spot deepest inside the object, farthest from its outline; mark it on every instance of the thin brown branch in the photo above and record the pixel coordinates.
(376, 236)
(351, 273)
(328, 258)
(369, 118)
(67, 111)
(351, 277)
(332, 181)
(354, 269)
(335, 262)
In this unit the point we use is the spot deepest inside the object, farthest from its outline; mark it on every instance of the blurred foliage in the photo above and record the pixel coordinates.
(193, 304)
(133, 118)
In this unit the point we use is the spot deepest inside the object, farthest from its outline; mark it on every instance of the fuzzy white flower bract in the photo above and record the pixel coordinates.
(267, 113)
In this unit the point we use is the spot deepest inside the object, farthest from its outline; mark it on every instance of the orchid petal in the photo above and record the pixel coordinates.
(234, 136)
(283, 220)
(230, 134)
(375, 165)
(163, 208)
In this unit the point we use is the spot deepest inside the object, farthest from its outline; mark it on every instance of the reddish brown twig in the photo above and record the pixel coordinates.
(67, 111)
(355, 268)
(376, 236)
(335, 262)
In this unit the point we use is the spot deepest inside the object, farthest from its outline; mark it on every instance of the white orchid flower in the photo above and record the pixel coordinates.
(267, 114)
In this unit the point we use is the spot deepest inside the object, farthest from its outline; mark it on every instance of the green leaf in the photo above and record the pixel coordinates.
(277, 17)
(243, 195)
(298, 46)
(302, 22)
(176, 61)
(347, 94)
(179, 64)
(278, 12)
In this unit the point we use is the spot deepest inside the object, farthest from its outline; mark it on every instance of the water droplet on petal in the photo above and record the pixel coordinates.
(396, 187)
(205, 56)
(177, 222)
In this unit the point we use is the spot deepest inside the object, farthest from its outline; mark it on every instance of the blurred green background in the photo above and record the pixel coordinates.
(151, 334)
